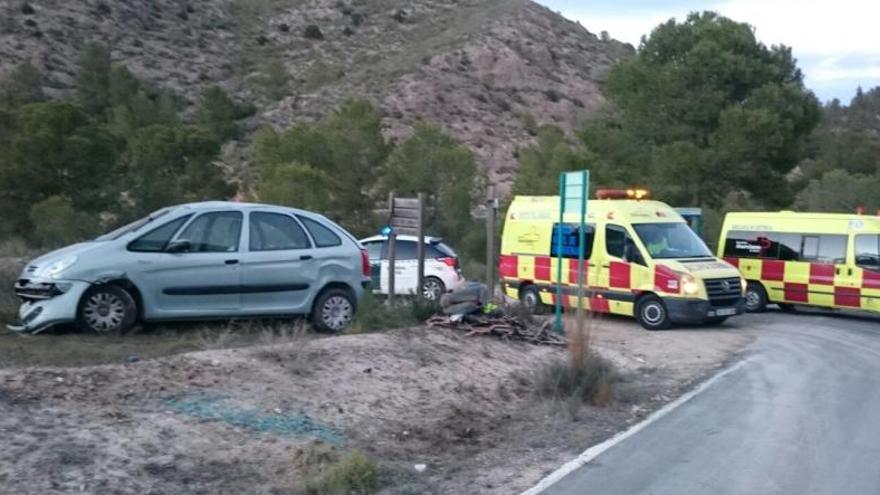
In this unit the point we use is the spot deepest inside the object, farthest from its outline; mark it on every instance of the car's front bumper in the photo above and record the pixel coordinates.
(47, 303)
(700, 310)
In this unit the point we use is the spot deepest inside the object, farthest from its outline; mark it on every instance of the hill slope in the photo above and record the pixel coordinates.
(486, 70)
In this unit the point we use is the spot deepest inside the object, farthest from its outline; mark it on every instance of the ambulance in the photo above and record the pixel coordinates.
(816, 259)
(642, 260)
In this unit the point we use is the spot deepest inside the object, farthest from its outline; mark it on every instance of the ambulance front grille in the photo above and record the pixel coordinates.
(723, 291)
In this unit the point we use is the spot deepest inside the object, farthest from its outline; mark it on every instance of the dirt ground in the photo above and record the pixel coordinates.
(234, 420)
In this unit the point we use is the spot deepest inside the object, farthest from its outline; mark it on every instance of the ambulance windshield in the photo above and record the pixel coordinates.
(671, 240)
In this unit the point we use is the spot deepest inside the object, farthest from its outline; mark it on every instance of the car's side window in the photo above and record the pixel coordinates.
(868, 252)
(405, 250)
(157, 239)
(276, 232)
(374, 249)
(216, 232)
(323, 236)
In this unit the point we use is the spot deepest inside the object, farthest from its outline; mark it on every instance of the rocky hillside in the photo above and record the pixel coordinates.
(487, 70)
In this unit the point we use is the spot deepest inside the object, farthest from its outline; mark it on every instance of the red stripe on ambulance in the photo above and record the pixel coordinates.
(773, 270)
(797, 292)
(848, 296)
(508, 266)
(542, 268)
(619, 275)
(821, 274)
(870, 280)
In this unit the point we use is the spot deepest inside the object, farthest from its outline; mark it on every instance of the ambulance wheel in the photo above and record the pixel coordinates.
(651, 313)
(530, 298)
(756, 298)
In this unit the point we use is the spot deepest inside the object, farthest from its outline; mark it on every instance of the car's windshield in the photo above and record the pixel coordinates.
(671, 240)
(133, 226)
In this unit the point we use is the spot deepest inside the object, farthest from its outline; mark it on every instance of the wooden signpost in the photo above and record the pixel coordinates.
(407, 217)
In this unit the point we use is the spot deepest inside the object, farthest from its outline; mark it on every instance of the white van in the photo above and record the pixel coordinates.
(442, 270)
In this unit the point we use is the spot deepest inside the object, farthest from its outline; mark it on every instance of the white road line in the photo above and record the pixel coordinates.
(596, 450)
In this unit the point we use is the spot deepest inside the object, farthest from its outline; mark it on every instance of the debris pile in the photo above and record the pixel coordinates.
(469, 309)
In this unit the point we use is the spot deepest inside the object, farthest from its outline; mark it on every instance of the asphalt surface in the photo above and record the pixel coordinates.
(800, 416)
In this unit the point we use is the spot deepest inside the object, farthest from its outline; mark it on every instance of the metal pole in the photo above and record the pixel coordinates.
(558, 323)
(391, 250)
(582, 234)
(491, 210)
(420, 249)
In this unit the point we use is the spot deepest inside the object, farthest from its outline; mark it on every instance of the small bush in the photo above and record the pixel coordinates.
(399, 16)
(357, 19)
(27, 9)
(353, 472)
(313, 32)
(589, 382)
(375, 314)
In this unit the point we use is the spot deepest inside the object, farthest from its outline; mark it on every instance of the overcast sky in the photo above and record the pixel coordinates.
(837, 43)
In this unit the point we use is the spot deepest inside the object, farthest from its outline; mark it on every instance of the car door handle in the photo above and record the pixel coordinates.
(231, 262)
(305, 257)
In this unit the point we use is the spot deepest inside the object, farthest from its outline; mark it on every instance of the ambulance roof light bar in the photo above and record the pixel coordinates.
(631, 193)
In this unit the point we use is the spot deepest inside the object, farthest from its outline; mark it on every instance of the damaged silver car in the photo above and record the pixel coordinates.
(198, 261)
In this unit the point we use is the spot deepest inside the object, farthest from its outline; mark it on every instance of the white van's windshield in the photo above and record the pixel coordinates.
(671, 240)
(133, 226)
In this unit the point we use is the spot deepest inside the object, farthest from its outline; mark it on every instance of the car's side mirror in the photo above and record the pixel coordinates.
(178, 246)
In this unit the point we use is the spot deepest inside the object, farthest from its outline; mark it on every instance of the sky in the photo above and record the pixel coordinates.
(836, 43)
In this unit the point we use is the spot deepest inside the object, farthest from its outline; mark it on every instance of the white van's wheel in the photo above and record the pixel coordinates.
(756, 298)
(106, 309)
(433, 288)
(651, 313)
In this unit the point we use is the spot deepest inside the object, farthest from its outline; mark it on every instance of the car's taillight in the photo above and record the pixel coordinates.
(365, 263)
(452, 262)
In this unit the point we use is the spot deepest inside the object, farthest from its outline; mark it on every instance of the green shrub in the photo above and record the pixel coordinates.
(588, 380)
(374, 314)
(354, 472)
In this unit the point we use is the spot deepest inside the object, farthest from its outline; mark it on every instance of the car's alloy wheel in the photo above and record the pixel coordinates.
(335, 312)
(106, 309)
(432, 289)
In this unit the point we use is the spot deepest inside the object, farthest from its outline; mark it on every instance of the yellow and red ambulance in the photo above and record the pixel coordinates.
(816, 259)
(642, 260)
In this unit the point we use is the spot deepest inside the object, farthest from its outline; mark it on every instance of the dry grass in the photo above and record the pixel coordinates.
(583, 377)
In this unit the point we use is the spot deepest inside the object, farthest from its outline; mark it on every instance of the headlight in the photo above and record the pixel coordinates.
(745, 285)
(55, 268)
(689, 285)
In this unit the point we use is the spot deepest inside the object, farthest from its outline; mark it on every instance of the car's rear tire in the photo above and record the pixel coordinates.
(106, 309)
(651, 313)
(530, 298)
(333, 311)
(433, 288)
(756, 298)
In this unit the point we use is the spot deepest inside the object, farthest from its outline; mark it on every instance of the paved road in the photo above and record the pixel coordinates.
(801, 416)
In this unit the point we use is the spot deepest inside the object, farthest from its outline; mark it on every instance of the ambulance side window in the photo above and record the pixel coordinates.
(619, 244)
(570, 240)
(829, 249)
(868, 252)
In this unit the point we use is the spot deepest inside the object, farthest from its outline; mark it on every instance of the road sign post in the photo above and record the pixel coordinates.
(573, 192)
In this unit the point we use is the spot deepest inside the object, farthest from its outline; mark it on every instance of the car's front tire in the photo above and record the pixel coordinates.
(651, 313)
(106, 309)
(333, 311)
